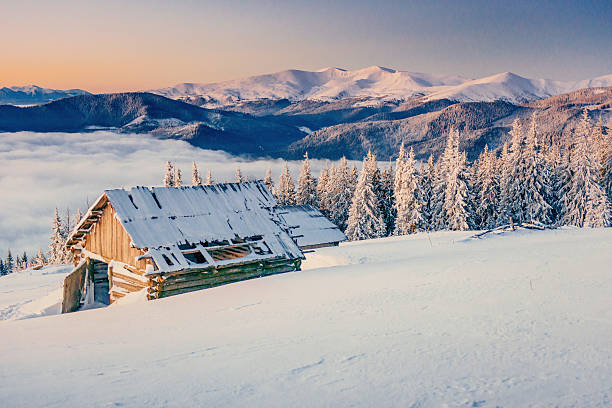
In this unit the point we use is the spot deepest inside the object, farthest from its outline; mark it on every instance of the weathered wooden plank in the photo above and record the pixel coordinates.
(73, 285)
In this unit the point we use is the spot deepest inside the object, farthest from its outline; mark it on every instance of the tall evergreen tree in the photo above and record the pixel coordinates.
(584, 202)
(322, 188)
(268, 180)
(408, 206)
(488, 190)
(56, 254)
(209, 178)
(285, 192)
(169, 175)
(386, 197)
(340, 194)
(2, 268)
(535, 184)
(196, 177)
(9, 262)
(426, 197)
(365, 219)
(307, 188)
(178, 177)
(443, 169)
(513, 171)
(457, 194)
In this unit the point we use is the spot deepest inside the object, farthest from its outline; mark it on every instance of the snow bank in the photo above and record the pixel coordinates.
(32, 293)
(516, 319)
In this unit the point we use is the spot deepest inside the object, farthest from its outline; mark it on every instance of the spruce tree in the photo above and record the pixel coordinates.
(239, 178)
(306, 190)
(408, 206)
(442, 171)
(209, 179)
(169, 175)
(365, 220)
(456, 206)
(488, 190)
(536, 188)
(386, 197)
(40, 259)
(322, 187)
(285, 192)
(584, 202)
(426, 197)
(340, 194)
(268, 180)
(9, 263)
(178, 177)
(56, 253)
(196, 177)
(2, 268)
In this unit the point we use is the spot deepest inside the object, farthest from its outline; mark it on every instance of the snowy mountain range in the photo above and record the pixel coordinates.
(32, 95)
(377, 83)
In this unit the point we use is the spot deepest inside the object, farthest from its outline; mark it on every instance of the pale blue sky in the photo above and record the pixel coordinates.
(113, 45)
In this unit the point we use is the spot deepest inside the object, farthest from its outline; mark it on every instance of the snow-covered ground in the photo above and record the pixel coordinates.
(32, 293)
(519, 319)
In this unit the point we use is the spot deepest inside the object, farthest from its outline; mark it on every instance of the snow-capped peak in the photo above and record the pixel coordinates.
(379, 82)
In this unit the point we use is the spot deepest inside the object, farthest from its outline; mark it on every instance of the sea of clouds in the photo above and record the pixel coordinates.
(42, 171)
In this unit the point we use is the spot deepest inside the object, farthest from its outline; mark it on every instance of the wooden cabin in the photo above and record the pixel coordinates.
(171, 240)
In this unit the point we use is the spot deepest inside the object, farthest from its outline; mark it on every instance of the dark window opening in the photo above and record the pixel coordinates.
(195, 257)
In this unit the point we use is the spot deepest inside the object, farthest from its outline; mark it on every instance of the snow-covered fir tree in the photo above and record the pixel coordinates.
(536, 188)
(386, 197)
(441, 175)
(584, 202)
(365, 220)
(238, 178)
(340, 193)
(425, 191)
(196, 177)
(322, 187)
(268, 180)
(487, 179)
(3, 270)
(513, 169)
(40, 259)
(285, 191)
(209, 178)
(307, 188)
(408, 206)
(456, 205)
(178, 177)
(57, 252)
(9, 262)
(169, 175)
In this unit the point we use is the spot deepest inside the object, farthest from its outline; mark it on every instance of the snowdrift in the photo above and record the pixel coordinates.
(516, 319)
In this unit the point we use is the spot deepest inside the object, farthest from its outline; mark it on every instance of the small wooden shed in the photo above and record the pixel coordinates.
(171, 240)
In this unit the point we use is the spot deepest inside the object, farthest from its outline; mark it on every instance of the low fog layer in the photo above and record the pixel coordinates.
(41, 171)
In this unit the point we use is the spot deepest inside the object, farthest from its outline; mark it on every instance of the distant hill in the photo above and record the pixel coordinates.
(33, 95)
(162, 117)
(325, 129)
(425, 126)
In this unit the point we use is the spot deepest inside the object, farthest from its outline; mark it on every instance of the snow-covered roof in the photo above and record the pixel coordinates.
(170, 221)
(309, 226)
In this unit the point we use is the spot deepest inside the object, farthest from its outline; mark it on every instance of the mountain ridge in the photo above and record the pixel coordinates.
(376, 82)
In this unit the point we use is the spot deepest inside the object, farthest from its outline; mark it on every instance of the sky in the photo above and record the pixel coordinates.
(114, 46)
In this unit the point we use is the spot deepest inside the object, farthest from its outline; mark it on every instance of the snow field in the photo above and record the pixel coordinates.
(516, 319)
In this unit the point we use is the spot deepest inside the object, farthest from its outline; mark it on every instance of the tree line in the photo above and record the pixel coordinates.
(535, 181)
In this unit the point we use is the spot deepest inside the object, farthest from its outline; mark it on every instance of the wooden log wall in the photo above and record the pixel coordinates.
(109, 240)
(174, 284)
